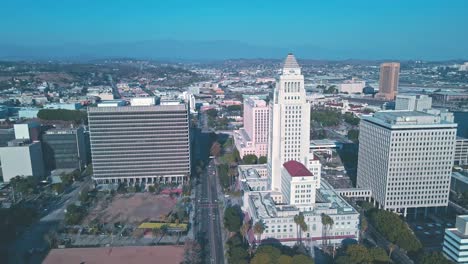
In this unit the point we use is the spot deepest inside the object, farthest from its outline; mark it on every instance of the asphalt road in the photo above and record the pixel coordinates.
(209, 217)
(33, 237)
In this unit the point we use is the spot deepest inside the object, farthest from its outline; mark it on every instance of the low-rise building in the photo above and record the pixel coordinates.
(456, 241)
(275, 211)
(22, 158)
(352, 86)
(299, 184)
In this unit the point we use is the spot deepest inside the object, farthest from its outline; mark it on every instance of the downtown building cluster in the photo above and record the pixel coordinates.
(405, 164)
(290, 183)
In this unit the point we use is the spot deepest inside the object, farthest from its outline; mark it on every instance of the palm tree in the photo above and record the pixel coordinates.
(364, 226)
(259, 228)
(244, 230)
(391, 247)
(301, 226)
(327, 223)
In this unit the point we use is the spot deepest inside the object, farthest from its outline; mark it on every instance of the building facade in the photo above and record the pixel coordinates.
(22, 158)
(299, 184)
(418, 102)
(253, 137)
(352, 86)
(461, 151)
(289, 137)
(65, 148)
(406, 159)
(389, 78)
(455, 246)
(140, 144)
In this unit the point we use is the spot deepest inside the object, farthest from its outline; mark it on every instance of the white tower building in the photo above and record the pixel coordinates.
(289, 137)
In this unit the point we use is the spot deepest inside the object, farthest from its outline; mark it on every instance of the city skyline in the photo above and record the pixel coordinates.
(334, 30)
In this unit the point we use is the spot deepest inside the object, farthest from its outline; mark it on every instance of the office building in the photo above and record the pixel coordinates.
(417, 102)
(289, 136)
(461, 151)
(406, 159)
(455, 247)
(65, 148)
(388, 82)
(29, 131)
(6, 135)
(22, 158)
(352, 86)
(253, 137)
(140, 144)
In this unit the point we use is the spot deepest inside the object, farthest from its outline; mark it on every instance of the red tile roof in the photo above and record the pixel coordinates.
(296, 169)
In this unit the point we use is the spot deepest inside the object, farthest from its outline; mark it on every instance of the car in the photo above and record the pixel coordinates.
(419, 227)
(427, 233)
(430, 225)
(438, 232)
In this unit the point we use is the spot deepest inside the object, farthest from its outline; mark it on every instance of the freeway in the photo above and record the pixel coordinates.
(33, 237)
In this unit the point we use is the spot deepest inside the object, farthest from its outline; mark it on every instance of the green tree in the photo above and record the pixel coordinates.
(434, 258)
(212, 113)
(301, 226)
(302, 259)
(261, 258)
(151, 189)
(259, 228)
(63, 115)
(379, 255)
(326, 117)
(351, 119)
(327, 224)
(359, 254)
(215, 149)
(250, 159)
(233, 218)
(74, 214)
(353, 135)
(285, 259)
(244, 230)
(394, 229)
(262, 160)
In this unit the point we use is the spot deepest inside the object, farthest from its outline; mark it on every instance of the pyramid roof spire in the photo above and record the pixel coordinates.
(290, 62)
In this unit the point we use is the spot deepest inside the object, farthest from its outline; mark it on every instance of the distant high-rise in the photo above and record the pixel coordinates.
(140, 144)
(388, 83)
(253, 138)
(406, 159)
(289, 137)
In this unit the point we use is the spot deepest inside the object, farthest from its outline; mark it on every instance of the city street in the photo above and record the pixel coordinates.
(209, 216)
(31, 247)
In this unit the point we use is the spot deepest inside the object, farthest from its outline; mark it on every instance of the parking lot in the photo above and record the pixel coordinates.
(431, 234)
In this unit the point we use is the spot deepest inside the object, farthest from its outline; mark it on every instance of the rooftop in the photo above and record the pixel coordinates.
(290, 62)
(296, 169)
(407, 119)
(156, 108)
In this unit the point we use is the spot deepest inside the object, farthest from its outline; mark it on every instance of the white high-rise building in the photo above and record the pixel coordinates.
(416, 102)
(289, 122)
(406, 159)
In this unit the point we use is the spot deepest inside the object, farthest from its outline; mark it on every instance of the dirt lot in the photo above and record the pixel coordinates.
(132, 208)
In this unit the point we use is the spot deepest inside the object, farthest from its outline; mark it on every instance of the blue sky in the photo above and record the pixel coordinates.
(353, 28)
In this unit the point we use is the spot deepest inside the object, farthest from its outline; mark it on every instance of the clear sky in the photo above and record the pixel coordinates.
(355, 28)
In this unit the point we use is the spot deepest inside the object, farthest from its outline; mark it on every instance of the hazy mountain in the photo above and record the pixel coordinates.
(160, 49)
(184, 50)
